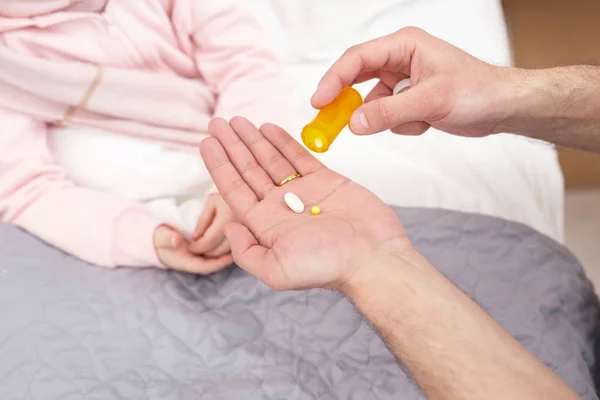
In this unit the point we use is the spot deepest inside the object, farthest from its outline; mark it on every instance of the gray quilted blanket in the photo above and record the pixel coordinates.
(73, 331)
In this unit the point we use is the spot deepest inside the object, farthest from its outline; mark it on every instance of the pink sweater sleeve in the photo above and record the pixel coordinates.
(36, 195)
(236, 59)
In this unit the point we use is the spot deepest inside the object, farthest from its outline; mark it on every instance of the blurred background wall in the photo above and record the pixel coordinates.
(548, 33)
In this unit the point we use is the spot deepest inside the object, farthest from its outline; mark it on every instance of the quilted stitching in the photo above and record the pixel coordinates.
(72, 331)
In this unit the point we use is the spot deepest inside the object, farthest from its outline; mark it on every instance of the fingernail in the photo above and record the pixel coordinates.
(358, 122)
(174, 242)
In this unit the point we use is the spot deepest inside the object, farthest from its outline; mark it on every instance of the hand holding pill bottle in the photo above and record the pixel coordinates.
(320, 133)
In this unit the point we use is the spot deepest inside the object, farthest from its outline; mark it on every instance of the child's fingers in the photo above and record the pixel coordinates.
(211, 239)
(207, 243)
(220, 250)
(185, 261)
(214, 236)
(205, 266)
(206, 218)
(167, 238)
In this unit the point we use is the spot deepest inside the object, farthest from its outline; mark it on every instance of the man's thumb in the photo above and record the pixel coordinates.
(247, 253)
(389, 112)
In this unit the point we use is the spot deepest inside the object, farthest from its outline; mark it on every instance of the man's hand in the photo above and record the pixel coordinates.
(459, 94)
(284, 249)
(173, 252)
(450, 89)
(357, 245)
(209, 238)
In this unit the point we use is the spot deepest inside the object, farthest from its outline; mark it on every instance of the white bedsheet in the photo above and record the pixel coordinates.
(504, 176)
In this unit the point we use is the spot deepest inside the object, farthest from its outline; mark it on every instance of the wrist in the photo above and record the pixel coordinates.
(133, 241)
(527, 96)
(513, 95)
(389, 263)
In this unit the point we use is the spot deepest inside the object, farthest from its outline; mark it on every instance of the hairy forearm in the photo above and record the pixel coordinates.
(452, 348)
(559, 105)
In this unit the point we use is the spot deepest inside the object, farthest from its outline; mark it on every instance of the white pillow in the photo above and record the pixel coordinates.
(320, 30)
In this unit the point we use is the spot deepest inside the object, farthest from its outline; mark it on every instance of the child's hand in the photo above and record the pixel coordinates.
(208, 239)
(173, 251)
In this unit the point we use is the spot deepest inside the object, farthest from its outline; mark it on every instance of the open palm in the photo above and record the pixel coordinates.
(284, 249)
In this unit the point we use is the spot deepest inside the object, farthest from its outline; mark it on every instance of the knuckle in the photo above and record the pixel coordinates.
(249, 165)
(274, 158)
(412, 31)
(352, 50)
(236, 119)
(234, 185)
(212, 242)
(384, 113)
(437, 103)
(253, 174)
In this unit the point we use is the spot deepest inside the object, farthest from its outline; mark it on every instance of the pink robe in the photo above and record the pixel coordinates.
(156, 69)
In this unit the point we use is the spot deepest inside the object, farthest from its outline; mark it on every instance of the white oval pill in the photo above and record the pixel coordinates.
(401, 86)
(294, 202)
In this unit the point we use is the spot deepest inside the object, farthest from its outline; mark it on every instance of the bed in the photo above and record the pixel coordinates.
(71, 331)
(487, 213)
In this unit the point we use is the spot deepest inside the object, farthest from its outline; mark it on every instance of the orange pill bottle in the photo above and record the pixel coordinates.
(320, 133)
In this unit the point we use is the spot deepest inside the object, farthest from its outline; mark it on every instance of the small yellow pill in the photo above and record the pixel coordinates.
(316, 210)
